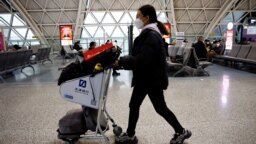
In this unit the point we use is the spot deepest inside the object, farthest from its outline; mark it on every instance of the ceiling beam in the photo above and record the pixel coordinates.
(78, 18)
(173, 17)
(206, 8)
(8, 6)
(219, 15)
(51, 10)
(18, 6)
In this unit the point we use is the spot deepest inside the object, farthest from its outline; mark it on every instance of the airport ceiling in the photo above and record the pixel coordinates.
(193, 17)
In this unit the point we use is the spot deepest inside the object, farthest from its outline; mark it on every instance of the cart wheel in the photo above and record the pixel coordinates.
(69, 140)
(117, 130)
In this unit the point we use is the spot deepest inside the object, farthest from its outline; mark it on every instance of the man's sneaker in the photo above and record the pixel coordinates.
(179, 138)
(125, 139)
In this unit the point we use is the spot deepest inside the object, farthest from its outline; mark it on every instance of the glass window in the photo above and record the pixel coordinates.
(99, 33)
(17, 21)
(14, 36)
(133, 14)
(2, 24)
(125, 30)
(108, 19)
(162, 17)
(227, 19)
(91, 30)
(35, 43)
(85, 34)
(6, 17)
(223, 28)
(6, 33)
(117, 33)
(102, 41)
(238, 15)
(99, 15)
(108, 29)
(117, 15)
(20, 43)
(157, 13)
(113, 24)
(89, 19)
(84, 43)
(22, 31)
(126, 19)
(30, 35)
(217, 31)
(13, 43)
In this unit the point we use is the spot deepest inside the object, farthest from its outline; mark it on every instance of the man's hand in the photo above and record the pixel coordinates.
(115, 64)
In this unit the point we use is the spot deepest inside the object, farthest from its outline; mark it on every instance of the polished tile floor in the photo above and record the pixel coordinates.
(219, 109)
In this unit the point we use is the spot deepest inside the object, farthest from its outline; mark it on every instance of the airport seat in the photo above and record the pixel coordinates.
(10, 61)
(191, 64)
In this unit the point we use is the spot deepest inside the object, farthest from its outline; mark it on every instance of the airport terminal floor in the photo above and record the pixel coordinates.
(219, 109)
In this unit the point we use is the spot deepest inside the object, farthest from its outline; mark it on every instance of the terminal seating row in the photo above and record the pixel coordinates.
(185, 60)
(10, 61)
(240, 54)
(175, 60)
(42, 55)
(34, 48)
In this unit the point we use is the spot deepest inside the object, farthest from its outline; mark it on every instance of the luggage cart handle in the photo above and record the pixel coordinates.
(109, 67)
(98, 71)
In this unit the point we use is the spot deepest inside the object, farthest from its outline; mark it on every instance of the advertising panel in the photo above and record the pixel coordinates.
(168, 27)
(229, 39)
(2, 45)
(66, 35)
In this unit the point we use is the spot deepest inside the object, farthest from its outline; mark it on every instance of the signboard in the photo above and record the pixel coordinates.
(229, 39)
(251, 30)
(179, 38)
(66, 35)
(2, 44)
(168, 28)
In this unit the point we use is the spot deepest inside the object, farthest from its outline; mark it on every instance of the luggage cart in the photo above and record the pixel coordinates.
(91, 91)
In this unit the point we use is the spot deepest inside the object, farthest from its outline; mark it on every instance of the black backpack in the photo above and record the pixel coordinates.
(76, 123)
(72, 125)
(75, 70)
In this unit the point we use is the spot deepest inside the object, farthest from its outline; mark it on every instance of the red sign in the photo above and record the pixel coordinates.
(2, 45)
(66, 35)
(229, 39)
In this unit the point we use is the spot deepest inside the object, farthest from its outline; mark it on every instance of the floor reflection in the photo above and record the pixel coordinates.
(225, 90)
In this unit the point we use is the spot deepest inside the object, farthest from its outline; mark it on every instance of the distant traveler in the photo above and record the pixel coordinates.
(15, 48)
(77, 46)
(217, 49)
(166, 48)
(92, 45)
(115, 73)
(200, 48)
